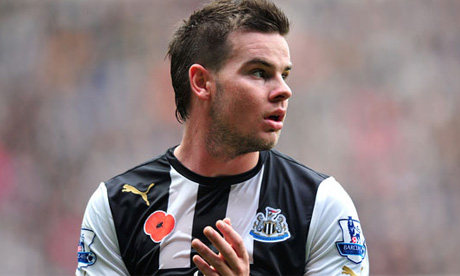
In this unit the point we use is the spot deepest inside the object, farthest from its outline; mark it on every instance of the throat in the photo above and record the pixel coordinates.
(202, 162)
(229, 166)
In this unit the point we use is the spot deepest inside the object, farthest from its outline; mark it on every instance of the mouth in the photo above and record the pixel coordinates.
(275, 119)
(277, 116)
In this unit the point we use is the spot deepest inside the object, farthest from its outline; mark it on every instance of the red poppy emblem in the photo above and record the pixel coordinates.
(158, 225)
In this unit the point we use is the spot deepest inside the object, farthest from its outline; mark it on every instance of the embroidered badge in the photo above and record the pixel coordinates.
(131, 189)
(85, 256)
(353, 245)
(158, 225)
(270, 227)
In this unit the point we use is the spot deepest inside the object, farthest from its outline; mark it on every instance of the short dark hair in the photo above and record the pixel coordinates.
(202, 39)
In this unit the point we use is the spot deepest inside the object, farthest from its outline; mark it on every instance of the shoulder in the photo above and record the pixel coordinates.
(335, 239)
(141, 173)
(280, 162)
(332, 195)
(98, 251)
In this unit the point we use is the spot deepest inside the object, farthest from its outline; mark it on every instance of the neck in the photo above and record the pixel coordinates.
(197, 155)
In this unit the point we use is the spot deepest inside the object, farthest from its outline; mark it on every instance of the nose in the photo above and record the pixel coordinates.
(281, 91)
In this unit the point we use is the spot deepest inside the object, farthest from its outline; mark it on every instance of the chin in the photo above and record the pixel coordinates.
(273, 137)
(254, 145)
(268, 143)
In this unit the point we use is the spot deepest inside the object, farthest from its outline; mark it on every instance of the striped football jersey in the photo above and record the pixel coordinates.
(293, 220)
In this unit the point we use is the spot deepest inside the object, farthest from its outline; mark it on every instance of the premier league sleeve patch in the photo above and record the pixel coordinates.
(85, 256)
(353, 244)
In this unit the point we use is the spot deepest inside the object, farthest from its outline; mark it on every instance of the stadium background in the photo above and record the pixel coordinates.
(85, 94)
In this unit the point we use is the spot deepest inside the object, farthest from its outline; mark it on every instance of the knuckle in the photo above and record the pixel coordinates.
(219, 264)
(227, 252)
(239, 240)
(241, 271)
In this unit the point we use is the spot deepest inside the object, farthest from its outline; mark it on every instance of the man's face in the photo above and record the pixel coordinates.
(251, 96)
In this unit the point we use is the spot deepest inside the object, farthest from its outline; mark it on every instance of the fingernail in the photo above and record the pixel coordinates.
(221, 223)
(208, 230)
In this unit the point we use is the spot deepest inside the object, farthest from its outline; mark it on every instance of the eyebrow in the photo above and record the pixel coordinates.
(259, 61)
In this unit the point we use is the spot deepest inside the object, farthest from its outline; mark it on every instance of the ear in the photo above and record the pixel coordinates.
(199, 81)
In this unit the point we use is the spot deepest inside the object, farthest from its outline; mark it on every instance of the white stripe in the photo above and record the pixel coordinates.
(98, 218)
(242, 207)
(175, 249)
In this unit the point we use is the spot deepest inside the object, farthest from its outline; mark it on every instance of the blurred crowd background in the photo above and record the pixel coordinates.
(85, 94)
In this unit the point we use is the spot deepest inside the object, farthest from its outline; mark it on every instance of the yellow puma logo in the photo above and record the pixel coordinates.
(348, 271)
(130, 189)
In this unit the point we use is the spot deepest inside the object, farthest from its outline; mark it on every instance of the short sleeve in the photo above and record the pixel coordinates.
(98, 250)
(335, 243)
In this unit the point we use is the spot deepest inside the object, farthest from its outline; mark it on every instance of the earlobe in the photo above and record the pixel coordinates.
(199, 78)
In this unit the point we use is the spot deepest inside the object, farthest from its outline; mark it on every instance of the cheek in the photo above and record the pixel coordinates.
(247, 115)
(245, 106)
(242, 102)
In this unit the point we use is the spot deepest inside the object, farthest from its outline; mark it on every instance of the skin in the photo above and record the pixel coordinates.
(232, 259)
(234, 113)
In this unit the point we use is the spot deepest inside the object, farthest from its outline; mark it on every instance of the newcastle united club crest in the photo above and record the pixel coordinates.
(270, 227)
(353, 245)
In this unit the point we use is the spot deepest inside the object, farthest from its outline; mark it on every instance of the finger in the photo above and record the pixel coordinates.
(232, 237)
(213, 260)
(221, 244)
(235, 262)
(203, 250)
(227, 258)
(237, 257)
(203, 266)
(228, 221)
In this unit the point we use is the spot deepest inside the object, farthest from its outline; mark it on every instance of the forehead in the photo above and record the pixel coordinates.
(271, 47)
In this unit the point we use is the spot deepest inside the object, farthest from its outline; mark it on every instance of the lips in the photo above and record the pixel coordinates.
(275, 119)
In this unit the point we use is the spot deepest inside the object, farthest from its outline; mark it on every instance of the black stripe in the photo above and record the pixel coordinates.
(210, 207)
(130, 211)
(290, 187)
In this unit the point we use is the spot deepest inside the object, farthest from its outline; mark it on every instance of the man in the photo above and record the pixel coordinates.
(222, 202)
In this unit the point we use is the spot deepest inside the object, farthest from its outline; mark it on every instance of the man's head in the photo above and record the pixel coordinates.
(203, 39)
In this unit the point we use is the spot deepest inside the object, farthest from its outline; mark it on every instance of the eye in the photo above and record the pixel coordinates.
(285, 75)
(259, 73)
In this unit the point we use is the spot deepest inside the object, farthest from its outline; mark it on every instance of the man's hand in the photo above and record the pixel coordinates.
(233, 259)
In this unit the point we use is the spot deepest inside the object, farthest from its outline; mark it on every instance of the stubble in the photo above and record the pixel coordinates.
(223, 141)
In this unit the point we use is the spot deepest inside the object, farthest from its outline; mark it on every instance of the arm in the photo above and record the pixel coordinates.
(98, 251)
(335, 244)
(232, 259)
